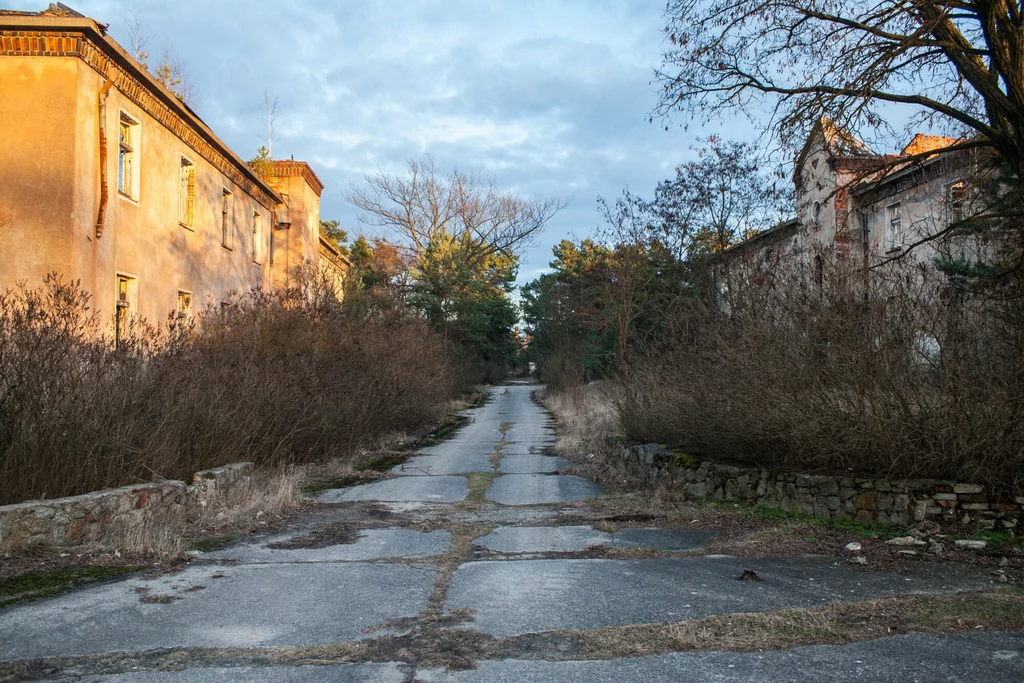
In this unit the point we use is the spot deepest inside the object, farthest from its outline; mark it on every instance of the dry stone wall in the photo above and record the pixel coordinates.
(902, 501)
(81, 519)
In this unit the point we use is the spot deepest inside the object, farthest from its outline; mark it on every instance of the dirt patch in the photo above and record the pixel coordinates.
(335, 533)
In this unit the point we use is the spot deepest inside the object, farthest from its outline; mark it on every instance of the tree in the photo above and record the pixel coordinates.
(422, 206)
(267, 118)
(957, 64)
(952, 66)
(138, 37)
(174, 76)
(721, 197)
(331, 231)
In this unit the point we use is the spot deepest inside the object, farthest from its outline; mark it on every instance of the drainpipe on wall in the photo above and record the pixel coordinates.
(102, 108)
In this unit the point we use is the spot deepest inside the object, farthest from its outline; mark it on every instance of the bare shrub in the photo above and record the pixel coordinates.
(275, 379)
(911, 375)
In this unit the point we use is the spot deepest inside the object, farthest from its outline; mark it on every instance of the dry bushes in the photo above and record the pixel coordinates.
(910, 376)
(289, 378)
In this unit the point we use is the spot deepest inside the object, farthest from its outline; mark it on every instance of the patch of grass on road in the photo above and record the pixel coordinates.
(837, 624)
(43, 584)
(478, 482)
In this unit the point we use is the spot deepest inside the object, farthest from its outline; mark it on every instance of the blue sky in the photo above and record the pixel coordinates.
(549, 97)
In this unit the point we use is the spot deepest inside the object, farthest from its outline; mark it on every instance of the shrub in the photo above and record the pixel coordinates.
(914, 375)
(275, 379)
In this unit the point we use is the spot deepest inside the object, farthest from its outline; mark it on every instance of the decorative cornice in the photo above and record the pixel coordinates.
(284, 168)
(35, 37)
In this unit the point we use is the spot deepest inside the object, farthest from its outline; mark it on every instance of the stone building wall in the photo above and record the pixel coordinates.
(901, 501)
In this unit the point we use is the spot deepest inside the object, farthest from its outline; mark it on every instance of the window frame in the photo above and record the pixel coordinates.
(257, 225)
(183, 312)
(227, 214)
(186, 201)
(894, 227)
(128, 150)
(126, 307)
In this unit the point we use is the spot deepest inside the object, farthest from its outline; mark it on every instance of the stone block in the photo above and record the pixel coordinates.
(833, 502)
(973, 498)
(865, 501)
(899, 518)
(828, 487)
(821, 510)
(974, 506)
(968, 488)
(883, 501)
(944, 496)
(865, 515)
(883, 486)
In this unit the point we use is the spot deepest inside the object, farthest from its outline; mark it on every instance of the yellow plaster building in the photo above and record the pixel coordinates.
(106, 177)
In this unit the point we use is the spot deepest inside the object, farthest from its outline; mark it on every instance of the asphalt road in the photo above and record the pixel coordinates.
(471, 544)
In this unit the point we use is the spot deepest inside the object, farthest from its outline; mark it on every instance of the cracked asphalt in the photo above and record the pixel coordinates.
(470, 564)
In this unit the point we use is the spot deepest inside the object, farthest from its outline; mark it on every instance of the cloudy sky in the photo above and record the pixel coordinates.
(550, 97)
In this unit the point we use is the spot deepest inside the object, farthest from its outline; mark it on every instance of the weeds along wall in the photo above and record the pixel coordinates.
(909, 374)
(288, 378)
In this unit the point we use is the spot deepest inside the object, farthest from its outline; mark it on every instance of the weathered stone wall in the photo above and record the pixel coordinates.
(902, 501)
(84, 518)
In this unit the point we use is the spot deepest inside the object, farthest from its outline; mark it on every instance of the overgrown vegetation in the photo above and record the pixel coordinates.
(908, 376)
(275, 379)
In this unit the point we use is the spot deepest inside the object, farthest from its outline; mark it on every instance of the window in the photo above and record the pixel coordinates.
(225, 219)
(256, 221)
(125, 305)
(894, 228)
(956, 197)
(816, 211)
(187, 193)
(127, 156)
(184, 303)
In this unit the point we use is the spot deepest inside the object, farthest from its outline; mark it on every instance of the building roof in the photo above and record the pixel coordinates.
(779, 231)
(59, 31)
(927, 143)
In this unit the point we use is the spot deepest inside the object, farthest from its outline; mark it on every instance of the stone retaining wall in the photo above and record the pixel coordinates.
(84, 518)
(902, 501)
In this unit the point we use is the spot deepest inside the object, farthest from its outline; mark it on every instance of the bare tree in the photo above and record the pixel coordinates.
(267, 118)
(421, 206)
(138, 37)
(957, 64)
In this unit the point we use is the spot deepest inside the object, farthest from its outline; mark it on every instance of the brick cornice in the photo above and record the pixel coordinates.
(82, 38)
(301, 169)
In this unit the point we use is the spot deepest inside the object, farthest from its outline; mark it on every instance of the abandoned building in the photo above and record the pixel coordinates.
(108, 178)
(861, 208)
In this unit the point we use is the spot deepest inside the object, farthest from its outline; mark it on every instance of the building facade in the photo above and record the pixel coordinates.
(860, 209)
(107, 178)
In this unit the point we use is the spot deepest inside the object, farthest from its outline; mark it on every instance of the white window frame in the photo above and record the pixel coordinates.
(956, 201)
(128, 153)
(186, 193)
(894, 226)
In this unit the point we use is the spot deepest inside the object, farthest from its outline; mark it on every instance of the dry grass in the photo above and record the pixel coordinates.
(246, 506)
(836, 624)
(585, 415)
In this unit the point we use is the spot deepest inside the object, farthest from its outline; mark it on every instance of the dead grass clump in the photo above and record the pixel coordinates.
(585, 415)
(293, 377)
